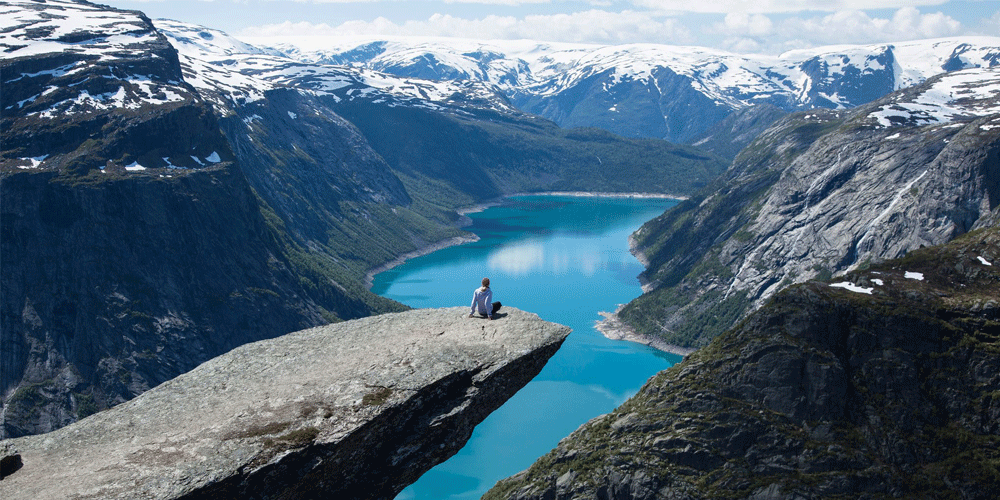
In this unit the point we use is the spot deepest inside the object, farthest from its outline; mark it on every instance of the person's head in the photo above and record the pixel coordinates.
(486, 282)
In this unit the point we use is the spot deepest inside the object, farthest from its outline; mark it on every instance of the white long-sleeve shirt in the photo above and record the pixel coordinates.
(483, 300)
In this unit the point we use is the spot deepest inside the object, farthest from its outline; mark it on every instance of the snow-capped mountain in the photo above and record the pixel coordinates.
(70, 68)
(663, 91)
(229, 69)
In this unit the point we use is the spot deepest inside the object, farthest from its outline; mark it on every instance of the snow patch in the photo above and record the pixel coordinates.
(913, 276)
(35, 161)
(292, 115)
(852, 287)
(214, 157)
(134, 167)
(984, 261)
(878, 282)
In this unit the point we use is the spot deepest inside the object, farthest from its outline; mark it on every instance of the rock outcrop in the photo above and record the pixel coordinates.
(352, 410)
(882, 384)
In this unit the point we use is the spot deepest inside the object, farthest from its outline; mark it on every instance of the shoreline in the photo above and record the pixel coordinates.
(600, 194)
(633, 248)
(433, 247)
(613, 328)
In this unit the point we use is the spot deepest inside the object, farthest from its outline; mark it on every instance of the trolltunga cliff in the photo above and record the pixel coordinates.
(350, 410)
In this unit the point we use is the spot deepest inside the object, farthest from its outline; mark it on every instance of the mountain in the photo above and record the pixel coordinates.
(168, 193)
(133, 245)
(880, 384)
(820, 193)
(415, 125)
(648, 90)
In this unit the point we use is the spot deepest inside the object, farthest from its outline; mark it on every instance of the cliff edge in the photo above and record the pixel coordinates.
(349, 410)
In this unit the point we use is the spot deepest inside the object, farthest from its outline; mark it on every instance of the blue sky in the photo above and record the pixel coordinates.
(764, 26)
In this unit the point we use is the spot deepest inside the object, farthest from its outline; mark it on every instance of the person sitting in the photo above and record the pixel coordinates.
(481, 301)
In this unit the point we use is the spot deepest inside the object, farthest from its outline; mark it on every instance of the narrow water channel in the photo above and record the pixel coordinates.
(565, 259)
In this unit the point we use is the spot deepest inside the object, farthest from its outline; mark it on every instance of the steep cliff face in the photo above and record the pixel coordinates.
(113, 287)
(358, 409)
(735, 132)
(819, 193)
(133, 245)
(882, 383)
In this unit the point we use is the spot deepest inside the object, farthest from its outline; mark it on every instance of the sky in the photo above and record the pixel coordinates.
(755, 26)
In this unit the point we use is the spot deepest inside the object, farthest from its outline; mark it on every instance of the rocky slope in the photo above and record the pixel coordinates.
(820, 193)
(649, 90)
(880, 384)
(358, 409)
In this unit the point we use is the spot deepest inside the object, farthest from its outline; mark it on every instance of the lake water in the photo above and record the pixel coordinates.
(565, 259)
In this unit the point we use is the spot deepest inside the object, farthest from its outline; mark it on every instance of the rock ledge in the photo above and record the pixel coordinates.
(351, 410)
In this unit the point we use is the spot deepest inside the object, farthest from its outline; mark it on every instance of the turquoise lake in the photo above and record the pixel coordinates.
(566, 259)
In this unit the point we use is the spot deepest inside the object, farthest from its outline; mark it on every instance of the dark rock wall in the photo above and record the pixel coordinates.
(113, 288)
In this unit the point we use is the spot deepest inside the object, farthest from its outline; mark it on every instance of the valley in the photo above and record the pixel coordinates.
(170, 193)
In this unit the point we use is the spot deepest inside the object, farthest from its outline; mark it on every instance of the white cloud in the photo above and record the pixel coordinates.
(776, 6)
(992, 25)
(747, 24)
(759, 33)
(499, 2)
(592, 26)
(858, 27)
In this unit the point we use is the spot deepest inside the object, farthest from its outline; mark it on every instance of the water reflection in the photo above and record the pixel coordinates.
(550, 258)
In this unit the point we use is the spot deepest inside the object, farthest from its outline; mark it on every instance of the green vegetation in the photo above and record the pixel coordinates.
(377, 397)
(703, 317)
(85, 405)
(520, 153)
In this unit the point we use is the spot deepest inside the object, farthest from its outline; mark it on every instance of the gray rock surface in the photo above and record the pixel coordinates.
(351, 410)
(821, 193)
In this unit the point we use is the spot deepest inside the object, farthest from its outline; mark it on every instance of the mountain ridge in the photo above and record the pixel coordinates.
(634, 89)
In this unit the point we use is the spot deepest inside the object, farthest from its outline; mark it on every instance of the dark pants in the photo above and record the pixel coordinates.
(496, 307)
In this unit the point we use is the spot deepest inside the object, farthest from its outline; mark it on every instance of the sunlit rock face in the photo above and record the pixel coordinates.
(820, 193)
